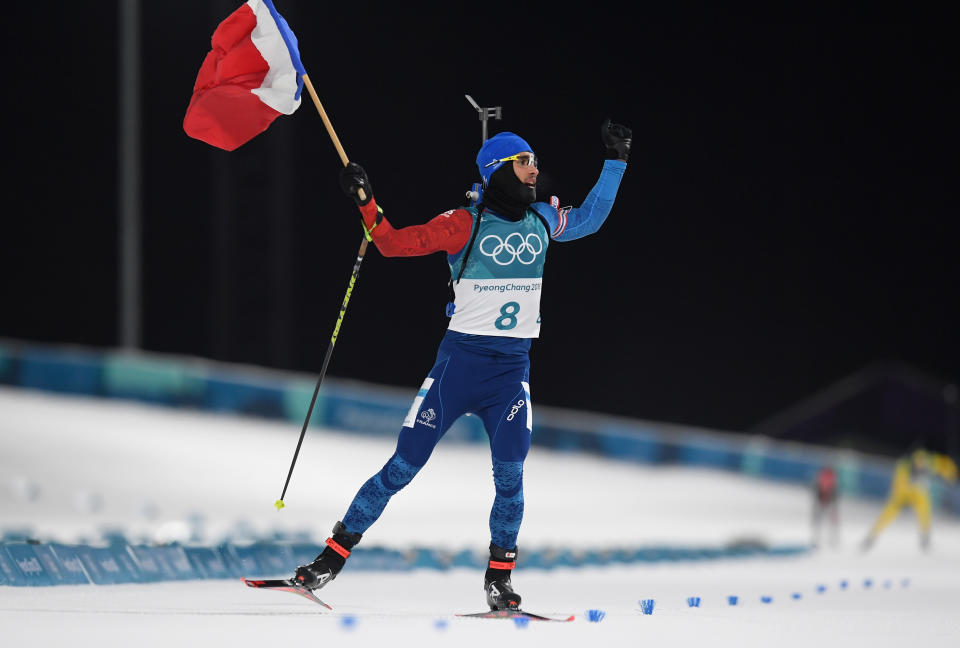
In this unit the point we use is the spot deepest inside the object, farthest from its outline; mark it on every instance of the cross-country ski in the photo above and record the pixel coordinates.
(516, 614)
(284, 585)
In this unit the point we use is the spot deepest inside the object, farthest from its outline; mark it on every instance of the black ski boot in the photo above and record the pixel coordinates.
(329, 563)
(496, 582)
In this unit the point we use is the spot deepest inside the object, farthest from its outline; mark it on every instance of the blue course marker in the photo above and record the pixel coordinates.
(595, 616)
(821, 589)
(867, 583)
(843, 584)
(732, 600)
(766, 599)
(693, 601)
(646, 605)
(796, 596)
(521, 622)
(349, 622)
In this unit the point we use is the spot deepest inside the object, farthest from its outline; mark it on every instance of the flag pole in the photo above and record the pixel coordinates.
(333, 136)
(346, 299)
(326, 120)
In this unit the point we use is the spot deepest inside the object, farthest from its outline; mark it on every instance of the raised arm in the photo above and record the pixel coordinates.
(448, 232)
(570, 223)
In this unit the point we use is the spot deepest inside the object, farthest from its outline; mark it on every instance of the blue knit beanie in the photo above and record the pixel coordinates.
(498, 147)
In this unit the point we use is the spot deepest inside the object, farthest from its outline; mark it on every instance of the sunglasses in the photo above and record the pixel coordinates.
(524, 159)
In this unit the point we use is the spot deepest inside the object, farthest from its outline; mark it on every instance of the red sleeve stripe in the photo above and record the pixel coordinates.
(561, 216)
(562, 223)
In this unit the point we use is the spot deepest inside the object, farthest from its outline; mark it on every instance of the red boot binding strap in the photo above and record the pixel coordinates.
(336, 546)
(502, 565)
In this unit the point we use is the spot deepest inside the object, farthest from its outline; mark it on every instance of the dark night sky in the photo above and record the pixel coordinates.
(788, 216)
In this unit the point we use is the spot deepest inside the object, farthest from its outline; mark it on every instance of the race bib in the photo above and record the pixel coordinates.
(499, 292)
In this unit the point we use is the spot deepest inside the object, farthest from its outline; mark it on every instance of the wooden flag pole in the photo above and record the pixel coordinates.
(326, 120)
(333, 136)
(346, 299)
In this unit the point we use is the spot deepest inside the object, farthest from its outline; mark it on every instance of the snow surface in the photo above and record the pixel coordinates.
(71, 468)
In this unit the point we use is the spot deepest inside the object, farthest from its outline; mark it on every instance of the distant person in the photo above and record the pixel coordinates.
(910, 487)
(496, 253)
(825, 498)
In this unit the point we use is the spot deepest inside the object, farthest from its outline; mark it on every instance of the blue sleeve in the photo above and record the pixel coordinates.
(568, 224)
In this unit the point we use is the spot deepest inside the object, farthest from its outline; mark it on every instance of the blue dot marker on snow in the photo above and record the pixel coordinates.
(521, 622)
(440, 624)
(595, 616)
(732, 600)
(887, 584)
(766, 599)
(348, 622)
(796, 596)
(821, 589)
(646, 605)
(693, 601)
(843, 584)
(867, 583)
(905, 582)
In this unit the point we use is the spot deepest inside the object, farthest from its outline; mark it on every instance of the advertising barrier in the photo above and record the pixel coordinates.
(33, 564)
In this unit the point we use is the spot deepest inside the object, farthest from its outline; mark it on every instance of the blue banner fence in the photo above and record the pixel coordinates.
(35, 564)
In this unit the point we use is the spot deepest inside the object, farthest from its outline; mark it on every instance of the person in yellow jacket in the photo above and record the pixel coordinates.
(912, 477)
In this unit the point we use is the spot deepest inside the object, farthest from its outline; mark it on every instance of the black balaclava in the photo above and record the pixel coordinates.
(507, 195)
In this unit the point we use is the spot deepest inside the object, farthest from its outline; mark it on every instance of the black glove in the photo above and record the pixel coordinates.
(617, 139)
(352, 179)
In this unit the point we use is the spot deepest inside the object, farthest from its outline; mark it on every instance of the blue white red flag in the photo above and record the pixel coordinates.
(251, 76)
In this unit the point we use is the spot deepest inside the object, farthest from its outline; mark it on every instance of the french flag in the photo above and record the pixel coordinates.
(251, 76)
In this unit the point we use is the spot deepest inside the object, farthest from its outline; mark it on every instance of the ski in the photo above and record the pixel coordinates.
(514, 614)
(284, 585)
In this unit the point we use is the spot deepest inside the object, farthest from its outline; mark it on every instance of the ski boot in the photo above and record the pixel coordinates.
(329, 563)
(496, 581)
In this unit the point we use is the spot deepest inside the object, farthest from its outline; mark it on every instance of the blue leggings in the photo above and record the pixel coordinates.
(494, 387)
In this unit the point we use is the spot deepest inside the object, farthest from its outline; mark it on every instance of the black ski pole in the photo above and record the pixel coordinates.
(326, 361)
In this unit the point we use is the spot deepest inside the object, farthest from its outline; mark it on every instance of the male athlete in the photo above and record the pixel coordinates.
(496, 252)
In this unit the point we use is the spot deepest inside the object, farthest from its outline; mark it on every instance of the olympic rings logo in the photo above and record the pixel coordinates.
(515, 247)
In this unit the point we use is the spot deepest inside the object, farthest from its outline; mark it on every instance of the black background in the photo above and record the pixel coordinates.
(788, 215)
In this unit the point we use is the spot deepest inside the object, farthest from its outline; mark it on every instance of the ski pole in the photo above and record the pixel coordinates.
(326, 361)
(346, 298)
